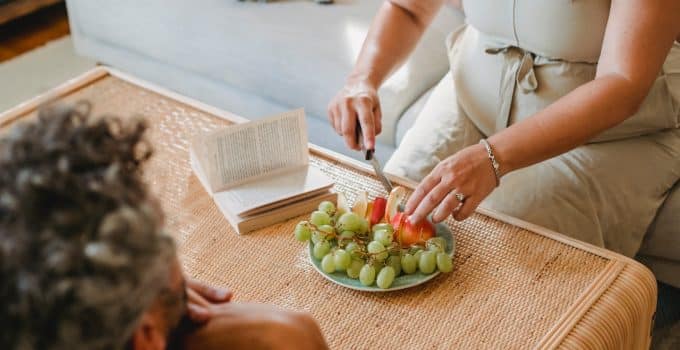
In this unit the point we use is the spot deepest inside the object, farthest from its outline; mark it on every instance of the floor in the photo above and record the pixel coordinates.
(37, 29)
(37, 54)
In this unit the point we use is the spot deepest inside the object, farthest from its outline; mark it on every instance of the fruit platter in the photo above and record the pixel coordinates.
(373, 246)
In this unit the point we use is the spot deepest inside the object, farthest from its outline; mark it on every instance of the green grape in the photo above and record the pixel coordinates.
(321, 249)
(364, 225)
(437, 244)
(383, 236)
(342, 260)
(327, 231)
(353, 249)
(318, 237)
(303, 232)
(417, 254)
(367, 275)
(349, 222)
(320, 218)
(346, 235)
(395, 262)
(383, 226)
(385, 277)
(327, 207)
(444, 262)
(428, 262)
(328, 264)
(378, 250)
(354, 268)
(409, 264)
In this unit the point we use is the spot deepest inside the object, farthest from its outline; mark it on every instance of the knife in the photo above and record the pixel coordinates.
(370, 156)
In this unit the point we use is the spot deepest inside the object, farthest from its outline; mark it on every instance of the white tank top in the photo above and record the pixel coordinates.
(570, 30)
(516, 57)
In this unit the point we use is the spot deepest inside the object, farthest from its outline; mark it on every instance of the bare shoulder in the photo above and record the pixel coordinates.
(256, 326)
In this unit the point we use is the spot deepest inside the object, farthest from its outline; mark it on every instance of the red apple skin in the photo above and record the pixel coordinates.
(409, 234)
(378, 210)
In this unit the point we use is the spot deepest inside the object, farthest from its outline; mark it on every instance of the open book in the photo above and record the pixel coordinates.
(258, 173)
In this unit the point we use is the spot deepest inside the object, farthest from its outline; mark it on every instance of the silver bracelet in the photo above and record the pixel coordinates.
(494, 164)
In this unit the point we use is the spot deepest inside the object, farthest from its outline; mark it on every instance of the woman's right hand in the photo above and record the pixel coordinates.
(356, 101)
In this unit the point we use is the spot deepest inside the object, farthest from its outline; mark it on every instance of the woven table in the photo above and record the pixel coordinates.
(514, 286)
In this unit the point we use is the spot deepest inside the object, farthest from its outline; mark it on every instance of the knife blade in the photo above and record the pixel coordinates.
(370, 156)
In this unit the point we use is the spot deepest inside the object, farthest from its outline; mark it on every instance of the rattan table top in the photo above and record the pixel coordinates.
(511, 287)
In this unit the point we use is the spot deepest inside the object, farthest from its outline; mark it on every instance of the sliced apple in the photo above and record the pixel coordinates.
(361, 204)
(393, 200)
(377, 210)
(342, 205)
(369, 211)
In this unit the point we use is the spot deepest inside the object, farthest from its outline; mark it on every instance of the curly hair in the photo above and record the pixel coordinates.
(82, 251)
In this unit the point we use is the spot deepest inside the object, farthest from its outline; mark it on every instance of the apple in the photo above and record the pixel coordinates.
(377, 211)
(408, 233)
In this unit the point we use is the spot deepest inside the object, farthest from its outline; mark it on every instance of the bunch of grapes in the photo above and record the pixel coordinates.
(346, 242)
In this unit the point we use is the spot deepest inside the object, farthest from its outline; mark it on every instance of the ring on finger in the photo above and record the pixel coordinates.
(460, 197)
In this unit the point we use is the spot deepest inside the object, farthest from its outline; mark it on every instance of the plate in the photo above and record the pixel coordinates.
(401, 282)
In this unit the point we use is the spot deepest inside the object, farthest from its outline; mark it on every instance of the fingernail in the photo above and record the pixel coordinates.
(222, 293)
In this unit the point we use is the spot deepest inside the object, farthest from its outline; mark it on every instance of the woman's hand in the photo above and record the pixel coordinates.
(468, 172)
(356, 101)
(202, 298)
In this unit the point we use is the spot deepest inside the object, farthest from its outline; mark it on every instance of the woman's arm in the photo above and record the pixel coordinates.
(638, 37)
(394, 33)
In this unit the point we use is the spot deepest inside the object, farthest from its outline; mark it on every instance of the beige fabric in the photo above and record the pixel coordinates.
(440, 130)
(570, 30)
(607, 192)
(499, 84)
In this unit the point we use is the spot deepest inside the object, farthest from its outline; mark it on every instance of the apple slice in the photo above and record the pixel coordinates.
(342, 205)
(369, 211)
(361, 204)
(393, 200)
(377, 210)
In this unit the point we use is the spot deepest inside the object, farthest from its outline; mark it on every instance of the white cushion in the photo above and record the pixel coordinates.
(295, 53)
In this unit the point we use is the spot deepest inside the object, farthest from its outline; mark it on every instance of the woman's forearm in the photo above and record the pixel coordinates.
(566, 124)
(394, 33)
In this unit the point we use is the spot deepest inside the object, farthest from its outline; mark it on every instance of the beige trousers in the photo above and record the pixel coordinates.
(604, 193)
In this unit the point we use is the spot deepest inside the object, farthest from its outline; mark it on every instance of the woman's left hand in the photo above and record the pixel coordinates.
(468, 172)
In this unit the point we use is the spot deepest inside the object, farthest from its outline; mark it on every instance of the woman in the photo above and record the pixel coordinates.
(575, 104)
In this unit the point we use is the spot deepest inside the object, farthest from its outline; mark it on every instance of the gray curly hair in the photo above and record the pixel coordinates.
(82, 253)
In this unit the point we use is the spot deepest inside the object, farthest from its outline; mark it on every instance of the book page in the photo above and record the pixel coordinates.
(254, 150)
(275, 190)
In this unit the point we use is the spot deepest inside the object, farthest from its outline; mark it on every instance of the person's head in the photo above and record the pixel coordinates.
(84, 262)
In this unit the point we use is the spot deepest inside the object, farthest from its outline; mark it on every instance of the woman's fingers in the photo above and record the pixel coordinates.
(377, 116)
(424, 187)
(430, 202)
(467, 209)
(446, 207)
(334, 117)
(349, 120)
(367, 121)
(210, 293)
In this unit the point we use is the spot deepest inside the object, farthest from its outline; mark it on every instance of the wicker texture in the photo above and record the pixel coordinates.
(510, 286)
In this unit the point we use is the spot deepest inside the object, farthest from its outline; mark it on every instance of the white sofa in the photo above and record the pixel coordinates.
(256, 59)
